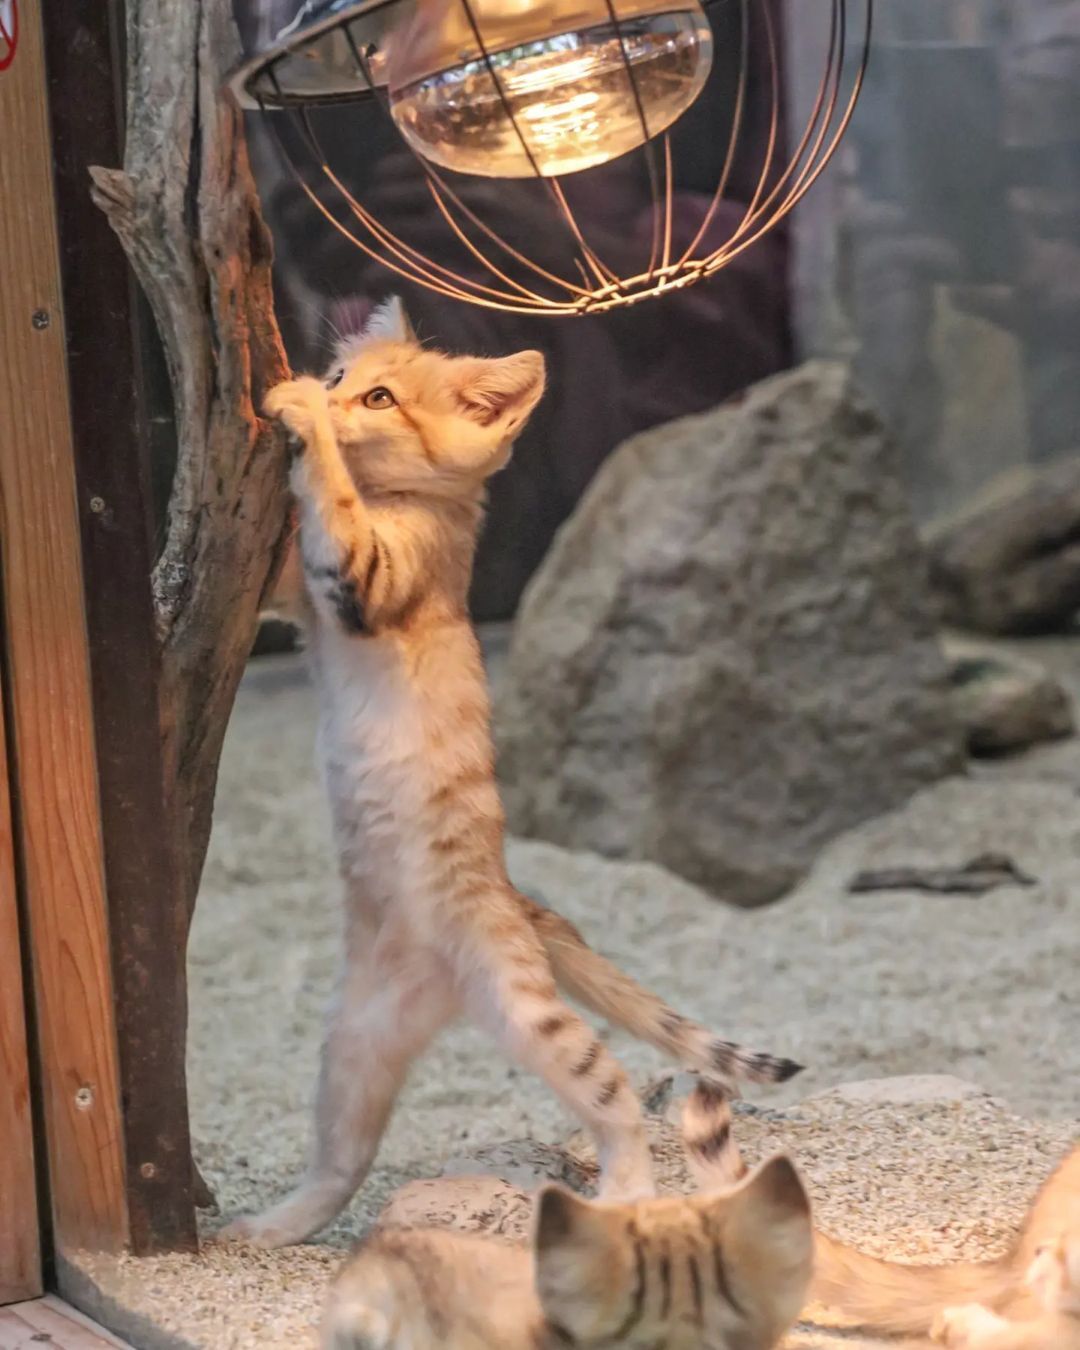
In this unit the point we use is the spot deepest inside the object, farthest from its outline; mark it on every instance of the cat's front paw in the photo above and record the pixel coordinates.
(946, 1329)
(297, 403)
(963, 1325)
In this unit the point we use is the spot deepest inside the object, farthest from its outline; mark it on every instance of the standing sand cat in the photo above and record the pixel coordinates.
(724, 1270)
(892, 1297)
(398, 444)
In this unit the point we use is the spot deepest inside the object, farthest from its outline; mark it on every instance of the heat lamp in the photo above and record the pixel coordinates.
(545, 90)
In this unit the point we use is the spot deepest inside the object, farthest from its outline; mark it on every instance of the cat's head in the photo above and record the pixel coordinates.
(409, 419)
(704, 1272)
(1054, 1275)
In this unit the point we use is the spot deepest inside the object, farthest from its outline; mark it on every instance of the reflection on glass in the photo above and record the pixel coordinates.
(947, 260)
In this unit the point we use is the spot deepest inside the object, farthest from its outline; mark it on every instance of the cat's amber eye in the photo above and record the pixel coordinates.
(379, 398)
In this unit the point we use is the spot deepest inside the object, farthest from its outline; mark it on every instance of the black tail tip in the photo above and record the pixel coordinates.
(786, 1069)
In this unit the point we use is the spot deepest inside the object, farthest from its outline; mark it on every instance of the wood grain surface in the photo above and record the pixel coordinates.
(58, 831)
(20, 1242)
(51, 1322)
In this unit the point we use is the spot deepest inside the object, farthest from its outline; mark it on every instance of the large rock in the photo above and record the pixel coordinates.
(728, 656)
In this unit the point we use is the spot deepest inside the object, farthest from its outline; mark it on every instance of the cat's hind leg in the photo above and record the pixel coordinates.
(508, 987)
(391, 1001)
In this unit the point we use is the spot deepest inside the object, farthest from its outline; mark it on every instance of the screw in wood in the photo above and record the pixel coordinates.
(97, 505)
(40, 319)
(148, 1170)
(84, 1098)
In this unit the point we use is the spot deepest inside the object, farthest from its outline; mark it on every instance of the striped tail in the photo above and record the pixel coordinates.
(602, 987)
(711, 1151)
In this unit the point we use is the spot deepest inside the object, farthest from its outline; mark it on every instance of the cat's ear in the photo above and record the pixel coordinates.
(563, 1218)
(580, 1249)
(389, 323)
(500, 393)
(772, 1196)
(767, 1234)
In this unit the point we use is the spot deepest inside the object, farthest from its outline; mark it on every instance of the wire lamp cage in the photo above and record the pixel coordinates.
(547, 90)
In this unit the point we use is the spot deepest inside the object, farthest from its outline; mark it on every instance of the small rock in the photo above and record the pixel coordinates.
(981, 874)
(469, 1204)
(902, 1091)
(664, 1095)
(1010, 565)
(276, 636)
(488, 1191)
(520, 1162)
(1004, 702)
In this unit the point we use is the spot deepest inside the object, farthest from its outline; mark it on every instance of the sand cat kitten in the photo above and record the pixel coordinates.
(726, 1270)
(398, 443)
(908, 1299)
(1054, 1277)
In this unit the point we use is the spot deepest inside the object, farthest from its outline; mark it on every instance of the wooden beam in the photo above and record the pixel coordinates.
(106, 349)
(20, 1239)
(58, 829)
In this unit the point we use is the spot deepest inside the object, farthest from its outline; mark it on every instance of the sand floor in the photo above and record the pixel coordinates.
(855, 987)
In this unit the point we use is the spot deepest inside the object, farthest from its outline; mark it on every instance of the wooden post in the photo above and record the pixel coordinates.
(58, 831)
(20, 1239)
(148, 910)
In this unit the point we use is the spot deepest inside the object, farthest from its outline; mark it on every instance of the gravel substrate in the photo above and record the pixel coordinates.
(936, 1180)
(856, 987)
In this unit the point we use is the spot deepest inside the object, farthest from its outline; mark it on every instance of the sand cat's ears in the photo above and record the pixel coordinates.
(389, 323)
(500, 393)
(767, 1218)
(582, 1253)
(563, 1218)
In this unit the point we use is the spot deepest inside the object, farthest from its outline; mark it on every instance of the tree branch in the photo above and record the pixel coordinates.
(186, 211)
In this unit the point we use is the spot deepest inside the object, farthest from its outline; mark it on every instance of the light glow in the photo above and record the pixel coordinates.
(551, 104)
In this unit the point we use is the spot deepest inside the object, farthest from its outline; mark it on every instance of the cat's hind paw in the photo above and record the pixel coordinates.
(259, 1231)
(314, 1204)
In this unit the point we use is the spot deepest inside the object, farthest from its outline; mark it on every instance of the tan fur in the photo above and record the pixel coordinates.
(889, 1296)
(397, 446)
(1054, 1281)
(723, 1271)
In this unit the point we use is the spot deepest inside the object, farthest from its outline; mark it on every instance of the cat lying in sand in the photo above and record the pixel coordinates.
(725, 1269)
(398, 443)
(1027, 1300)
(1054, 1278)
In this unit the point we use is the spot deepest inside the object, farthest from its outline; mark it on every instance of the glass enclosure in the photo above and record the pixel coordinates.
(942, 251)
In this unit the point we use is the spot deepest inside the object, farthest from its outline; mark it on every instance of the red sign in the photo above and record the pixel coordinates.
(9, 31)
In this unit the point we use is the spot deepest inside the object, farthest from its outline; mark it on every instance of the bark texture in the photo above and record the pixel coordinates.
(186, 211)
(185, 208)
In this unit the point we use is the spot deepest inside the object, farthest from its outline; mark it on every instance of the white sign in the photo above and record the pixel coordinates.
(9, 31)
